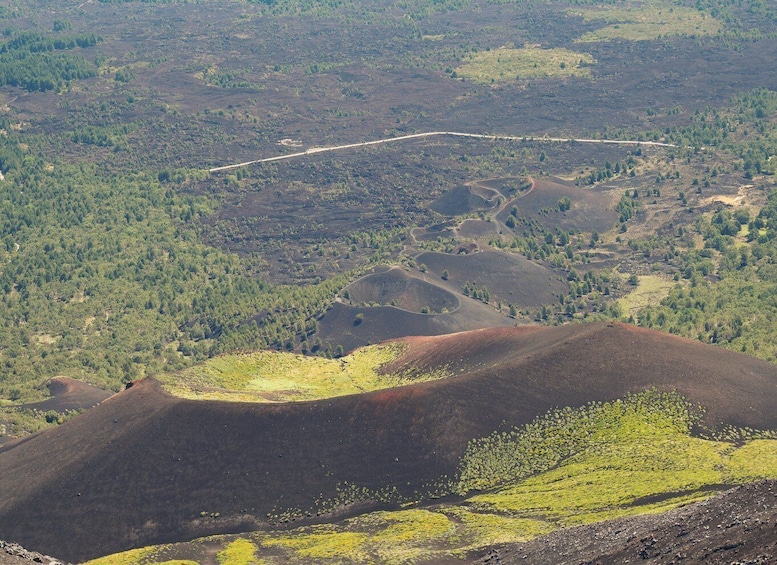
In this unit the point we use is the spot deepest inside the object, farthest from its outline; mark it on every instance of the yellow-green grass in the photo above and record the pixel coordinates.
(640, 467)
(401, 536)
(142, 556)
(271, 376)
(650, 290)
(755, 460)
(504, 64)
(641, 22)
(477, 529)
(320, 543)
(239, 552)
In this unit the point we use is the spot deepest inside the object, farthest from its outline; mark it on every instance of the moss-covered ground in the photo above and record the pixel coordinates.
(270, 376)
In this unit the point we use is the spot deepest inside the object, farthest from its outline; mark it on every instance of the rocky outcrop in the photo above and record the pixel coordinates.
(15, 554)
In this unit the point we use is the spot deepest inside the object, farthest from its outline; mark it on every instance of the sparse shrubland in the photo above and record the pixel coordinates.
(735, 311)
(507, 457)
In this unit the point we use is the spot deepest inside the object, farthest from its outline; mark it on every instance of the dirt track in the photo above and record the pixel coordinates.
(496, 137)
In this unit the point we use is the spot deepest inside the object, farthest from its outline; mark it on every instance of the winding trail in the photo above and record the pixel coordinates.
(314, 150)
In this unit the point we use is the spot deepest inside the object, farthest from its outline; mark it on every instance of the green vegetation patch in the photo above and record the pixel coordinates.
(507, 457)
(239, 552)
(530, 62)
(269, 376)
(477, 529)
(647, 21)
(650, 290)
(33, 61)
(321, 542)
(609, 460)
(610, 480)
(131, 557)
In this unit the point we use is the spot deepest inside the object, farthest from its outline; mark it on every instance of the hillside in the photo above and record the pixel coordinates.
(734, 527)
(146, 467)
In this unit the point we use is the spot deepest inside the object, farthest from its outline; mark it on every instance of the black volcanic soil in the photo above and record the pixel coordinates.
(461, 200)
(143, 466)
(69, 394)
(477, 229)
(395, 287)
(339, 325)
(736, 527)
(591, 209)
(573, 364)
(511, 279)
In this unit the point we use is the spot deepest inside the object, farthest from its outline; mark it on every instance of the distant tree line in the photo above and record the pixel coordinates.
(35, 62)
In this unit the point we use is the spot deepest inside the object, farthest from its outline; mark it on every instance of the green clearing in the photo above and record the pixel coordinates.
(650, 290)
(506, 64)
(270, 376)
(568, 467)
(646, 22)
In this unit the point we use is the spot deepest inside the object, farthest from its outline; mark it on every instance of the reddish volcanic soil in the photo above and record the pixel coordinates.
(143, 466)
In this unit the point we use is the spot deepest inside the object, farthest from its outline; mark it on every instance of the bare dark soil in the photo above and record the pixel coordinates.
(736, 527)
(461, 200)
(68, 394)
(397, 288)
(478, 230)
(143, 466)
(510, 279)
(340, 324)
(591, 209)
